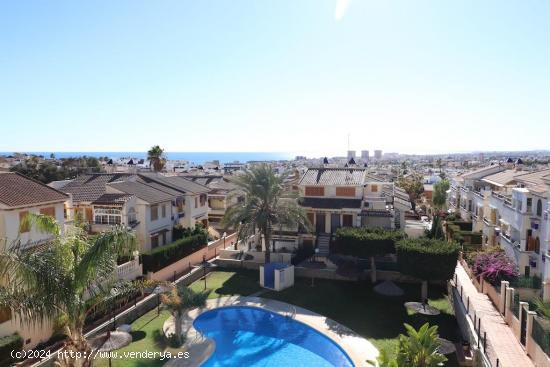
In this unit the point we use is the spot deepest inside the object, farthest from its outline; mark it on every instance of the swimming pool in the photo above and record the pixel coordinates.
(253, 337)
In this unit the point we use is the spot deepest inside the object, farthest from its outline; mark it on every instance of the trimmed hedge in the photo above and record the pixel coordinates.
(304, 252)
(7, 344)
(364, 242)
(427, 259)
(169, 254)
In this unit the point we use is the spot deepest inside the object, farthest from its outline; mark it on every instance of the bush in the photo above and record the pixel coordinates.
(364, 242)
(179, 232)
(305, 251)
(169, 254)
(495, 267)
(7, 344)
(427, 259)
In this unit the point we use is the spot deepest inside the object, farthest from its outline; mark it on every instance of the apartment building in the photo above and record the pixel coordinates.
(509, 206)
(20, 196)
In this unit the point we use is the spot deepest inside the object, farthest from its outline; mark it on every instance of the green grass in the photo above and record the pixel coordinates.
(379, 319)
(145, 331)
(355, 305)
(222, 283)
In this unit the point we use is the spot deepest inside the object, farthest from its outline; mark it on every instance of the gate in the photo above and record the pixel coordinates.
(523, 333)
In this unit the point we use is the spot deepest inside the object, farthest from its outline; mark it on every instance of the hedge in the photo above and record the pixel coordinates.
(364, 242)
(7, 344)
(427, 259)
(304, 252)
(163, 256)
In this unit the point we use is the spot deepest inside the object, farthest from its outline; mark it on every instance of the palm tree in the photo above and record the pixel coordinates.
(66, 280)
(264, 207)
(155, 155)
(179, 300)
(419, 348)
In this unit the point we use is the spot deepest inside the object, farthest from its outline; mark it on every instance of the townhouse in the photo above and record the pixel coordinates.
(350, 197)
(20, 196)
(149, 203)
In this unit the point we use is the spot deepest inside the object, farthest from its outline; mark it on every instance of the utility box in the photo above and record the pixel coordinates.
(277, 276)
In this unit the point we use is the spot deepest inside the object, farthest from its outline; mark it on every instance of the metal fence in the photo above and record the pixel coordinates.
(479, 334)
(541, 334)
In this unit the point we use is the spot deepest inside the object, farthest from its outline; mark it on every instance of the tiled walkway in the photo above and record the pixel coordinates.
(503, 342)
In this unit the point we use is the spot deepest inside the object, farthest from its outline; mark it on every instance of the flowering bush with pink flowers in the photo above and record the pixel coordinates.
(495, 267)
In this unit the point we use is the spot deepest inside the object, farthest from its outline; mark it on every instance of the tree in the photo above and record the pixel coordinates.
(179, 300)
(66, 280)
(436, 231)
(264, 208)
(155, 155)
(419, 348)
(427, 259)
(414, 187)
(365, 242)
(440, 194)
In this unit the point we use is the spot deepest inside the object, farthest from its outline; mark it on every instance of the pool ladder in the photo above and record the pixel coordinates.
(292, 313)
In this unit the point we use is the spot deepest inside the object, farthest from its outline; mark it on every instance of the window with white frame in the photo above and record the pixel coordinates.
(107, 215)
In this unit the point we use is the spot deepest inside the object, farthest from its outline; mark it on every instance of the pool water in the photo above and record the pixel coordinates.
(253, 337)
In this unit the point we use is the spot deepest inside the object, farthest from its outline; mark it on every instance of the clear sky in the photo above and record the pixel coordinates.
(274, 75)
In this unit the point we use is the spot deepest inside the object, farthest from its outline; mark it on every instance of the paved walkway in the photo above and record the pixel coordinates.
(500, 337)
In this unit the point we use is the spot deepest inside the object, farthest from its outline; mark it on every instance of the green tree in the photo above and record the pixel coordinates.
(436, 232)
(264, 207)
(427, 259)
(178, 301)
(67, 280)
(419, 348)
(155, 155)
(414, 187)
(439, 197)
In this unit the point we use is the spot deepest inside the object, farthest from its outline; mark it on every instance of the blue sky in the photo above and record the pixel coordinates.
(274, 75)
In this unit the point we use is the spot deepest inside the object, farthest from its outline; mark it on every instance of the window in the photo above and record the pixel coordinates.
(539, 208)
(23, 227)
(154, 212)
(196, 202)
(345, 191)
(374, 188)
(164, 211)
(203, 199)
(155, 241)
(107, 215)
(132, 218)
(311, 218)
(50, 211)
(315, 191)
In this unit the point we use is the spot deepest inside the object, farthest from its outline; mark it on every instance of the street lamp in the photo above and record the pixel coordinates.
(158, 291)
(312, 274)
(224, 234)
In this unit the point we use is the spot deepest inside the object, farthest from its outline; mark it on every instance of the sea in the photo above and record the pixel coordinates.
(193, 157)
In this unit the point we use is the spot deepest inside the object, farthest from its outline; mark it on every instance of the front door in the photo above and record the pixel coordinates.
(320, 222)
(334, 222)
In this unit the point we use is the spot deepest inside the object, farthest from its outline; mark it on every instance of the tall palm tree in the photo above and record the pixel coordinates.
(155, 155)
(264, 207)
(179, 300)
(66, 280)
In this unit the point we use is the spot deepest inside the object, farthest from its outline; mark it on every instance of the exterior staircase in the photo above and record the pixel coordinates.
(323, 244)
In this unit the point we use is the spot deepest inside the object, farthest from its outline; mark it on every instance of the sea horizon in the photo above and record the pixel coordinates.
(192, 157)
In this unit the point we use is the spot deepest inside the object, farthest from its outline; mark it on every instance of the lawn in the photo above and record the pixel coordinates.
(355, 305)
(379, 319)
(222, 283)
(145, 334)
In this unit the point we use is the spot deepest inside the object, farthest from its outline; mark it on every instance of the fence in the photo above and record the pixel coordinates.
(468, 317)
(541, 334)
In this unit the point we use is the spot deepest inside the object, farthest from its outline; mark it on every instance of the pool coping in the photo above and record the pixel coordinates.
(356, 347)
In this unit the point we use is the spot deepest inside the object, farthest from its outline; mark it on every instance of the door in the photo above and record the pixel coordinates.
(320, 222)
(334, 222)
(347, 220)
(523, 331)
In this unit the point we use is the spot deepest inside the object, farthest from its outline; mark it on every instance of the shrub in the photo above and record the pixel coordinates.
(7, 344)
(364, 242)
(305, 251)
(495, 267)
(166, 255)
(427, 259)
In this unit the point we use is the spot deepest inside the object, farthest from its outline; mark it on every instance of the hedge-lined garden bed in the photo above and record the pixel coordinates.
(7, 345)
(163, 256)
